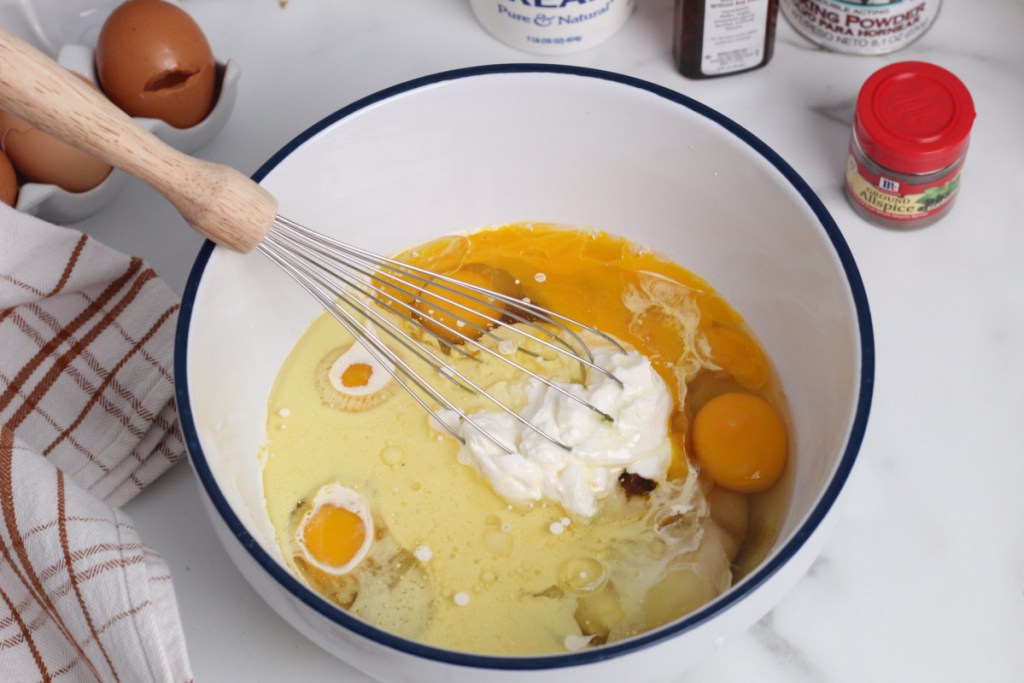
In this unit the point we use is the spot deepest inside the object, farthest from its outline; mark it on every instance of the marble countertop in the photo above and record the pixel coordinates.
(923, 578)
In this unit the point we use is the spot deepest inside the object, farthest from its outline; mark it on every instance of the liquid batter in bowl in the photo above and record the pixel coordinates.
(379, 509)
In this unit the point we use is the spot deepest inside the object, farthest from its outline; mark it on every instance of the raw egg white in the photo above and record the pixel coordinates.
(336, 531)
(153, 61)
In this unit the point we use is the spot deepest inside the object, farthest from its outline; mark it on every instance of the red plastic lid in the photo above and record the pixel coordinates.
(914, 117)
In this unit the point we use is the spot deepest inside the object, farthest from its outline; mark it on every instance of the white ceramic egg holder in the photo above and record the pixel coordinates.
(57, 205)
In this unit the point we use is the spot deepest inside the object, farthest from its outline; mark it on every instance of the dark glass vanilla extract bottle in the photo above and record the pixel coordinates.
(714, 38)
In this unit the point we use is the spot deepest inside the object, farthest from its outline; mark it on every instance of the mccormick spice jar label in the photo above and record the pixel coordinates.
(893, 198)
(863, 27)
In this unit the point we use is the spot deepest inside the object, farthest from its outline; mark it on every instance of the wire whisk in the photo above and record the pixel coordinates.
(360, 289)
(375, 298)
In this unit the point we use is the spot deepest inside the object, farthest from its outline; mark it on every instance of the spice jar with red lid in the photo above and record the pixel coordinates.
(909, 140)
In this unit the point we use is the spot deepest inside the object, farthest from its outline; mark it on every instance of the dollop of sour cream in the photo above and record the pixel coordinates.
(635, 440)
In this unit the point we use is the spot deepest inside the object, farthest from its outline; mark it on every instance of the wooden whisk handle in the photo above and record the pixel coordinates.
(216, 200)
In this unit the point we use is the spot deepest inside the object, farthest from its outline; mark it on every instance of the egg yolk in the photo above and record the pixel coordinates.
(741, 442)
(397, 290)
(455, 313)
(356, 375)
(333, 535)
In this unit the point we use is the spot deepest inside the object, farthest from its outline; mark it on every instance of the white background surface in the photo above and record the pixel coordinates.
(923, 579)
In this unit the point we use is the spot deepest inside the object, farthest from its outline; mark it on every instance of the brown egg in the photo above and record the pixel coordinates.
(8, 181)
(153, 61)
(41, 158)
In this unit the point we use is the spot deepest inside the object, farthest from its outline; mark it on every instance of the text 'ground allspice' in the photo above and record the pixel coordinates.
(909, 140)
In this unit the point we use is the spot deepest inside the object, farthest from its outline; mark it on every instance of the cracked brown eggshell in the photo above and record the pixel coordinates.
(153, 61)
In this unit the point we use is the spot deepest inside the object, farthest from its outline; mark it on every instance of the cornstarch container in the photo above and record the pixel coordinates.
(908, 144)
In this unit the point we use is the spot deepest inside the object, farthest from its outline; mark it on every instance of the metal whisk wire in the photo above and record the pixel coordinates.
(232, 210)
(359, 288)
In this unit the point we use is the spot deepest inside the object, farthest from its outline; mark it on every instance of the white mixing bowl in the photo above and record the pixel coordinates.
(487, 146)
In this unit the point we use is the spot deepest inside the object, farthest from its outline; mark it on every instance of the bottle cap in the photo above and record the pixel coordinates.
(914, 117)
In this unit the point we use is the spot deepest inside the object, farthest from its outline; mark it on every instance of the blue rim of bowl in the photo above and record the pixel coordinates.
(748, 585)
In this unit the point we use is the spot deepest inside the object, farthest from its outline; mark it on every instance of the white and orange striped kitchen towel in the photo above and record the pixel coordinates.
(87, 420)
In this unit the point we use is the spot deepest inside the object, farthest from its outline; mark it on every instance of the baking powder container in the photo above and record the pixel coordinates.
(552, 27)
(907, 147)
(861, 27)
